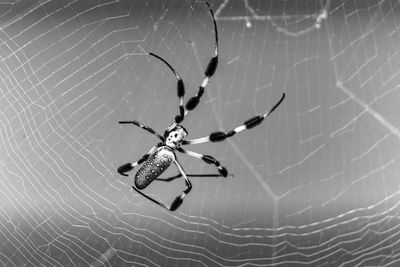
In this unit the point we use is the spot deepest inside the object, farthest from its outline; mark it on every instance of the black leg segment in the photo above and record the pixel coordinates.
(212, 67)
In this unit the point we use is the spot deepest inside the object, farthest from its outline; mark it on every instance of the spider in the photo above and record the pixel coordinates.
(160, 156)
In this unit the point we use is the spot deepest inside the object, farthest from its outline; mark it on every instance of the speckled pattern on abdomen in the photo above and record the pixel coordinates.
(153, 167)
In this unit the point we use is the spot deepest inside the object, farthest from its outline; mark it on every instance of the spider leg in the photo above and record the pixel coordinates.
(150, 198)
(210, 70)
(180, 87)
(129, 166)
(147, 128)
(220, 136)
(179, 199)
(208, 73)
(207, 159)
(171, 178)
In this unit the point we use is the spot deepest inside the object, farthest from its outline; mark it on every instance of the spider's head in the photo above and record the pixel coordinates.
(174, 137)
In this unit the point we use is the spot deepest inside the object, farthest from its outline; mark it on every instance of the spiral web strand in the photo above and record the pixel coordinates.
(316, 184)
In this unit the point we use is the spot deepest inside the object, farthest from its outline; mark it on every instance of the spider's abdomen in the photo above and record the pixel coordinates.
(153, 167)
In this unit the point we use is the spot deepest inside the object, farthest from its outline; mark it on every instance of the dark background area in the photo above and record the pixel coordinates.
(315, 185)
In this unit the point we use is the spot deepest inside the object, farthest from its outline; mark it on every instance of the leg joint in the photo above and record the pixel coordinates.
(217, 136)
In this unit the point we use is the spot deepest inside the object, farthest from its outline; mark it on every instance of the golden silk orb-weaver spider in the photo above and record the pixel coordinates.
(160, 156)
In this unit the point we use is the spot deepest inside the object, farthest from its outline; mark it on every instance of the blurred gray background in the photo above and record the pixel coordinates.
(315, 185)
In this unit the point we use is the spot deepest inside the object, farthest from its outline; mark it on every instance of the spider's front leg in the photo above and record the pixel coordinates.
(210, 70)
(180, 87)
(192, 103)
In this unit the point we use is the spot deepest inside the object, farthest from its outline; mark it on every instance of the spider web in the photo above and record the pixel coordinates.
(315, 185)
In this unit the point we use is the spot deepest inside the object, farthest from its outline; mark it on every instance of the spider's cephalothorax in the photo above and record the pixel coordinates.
(160, 156)
(174, 137)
